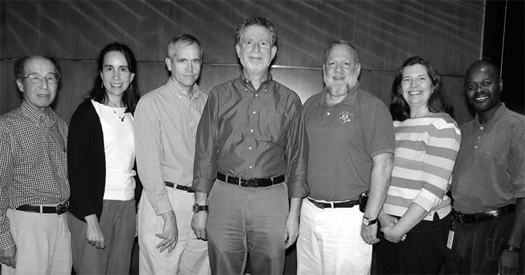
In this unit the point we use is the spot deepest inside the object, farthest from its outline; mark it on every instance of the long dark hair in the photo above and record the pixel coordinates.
(131, 95)
(436, 103)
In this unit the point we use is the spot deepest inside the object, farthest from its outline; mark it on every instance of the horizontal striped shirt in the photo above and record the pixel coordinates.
(426, 150)
(33, 162)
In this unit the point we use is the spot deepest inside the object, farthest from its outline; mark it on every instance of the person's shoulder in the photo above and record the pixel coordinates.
(442, 119)
(225, 86)
(313, 99)
(370, 99)
(13, 115)
(515, 118)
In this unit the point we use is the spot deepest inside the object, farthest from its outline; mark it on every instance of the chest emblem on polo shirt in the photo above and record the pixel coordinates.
(345, 117)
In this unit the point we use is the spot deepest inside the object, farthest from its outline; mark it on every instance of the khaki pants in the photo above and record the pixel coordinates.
(43, 243)
(190, 255)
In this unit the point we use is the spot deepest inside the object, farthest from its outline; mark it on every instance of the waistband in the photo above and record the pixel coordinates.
(254, 182)
(42, 209)
(344, 204)
(179, 187)
(479, 217)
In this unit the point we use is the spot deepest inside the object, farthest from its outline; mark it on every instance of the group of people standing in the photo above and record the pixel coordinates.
(234, 177)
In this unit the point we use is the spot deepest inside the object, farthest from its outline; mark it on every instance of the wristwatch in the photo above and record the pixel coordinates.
(197, 208)
(368, 222)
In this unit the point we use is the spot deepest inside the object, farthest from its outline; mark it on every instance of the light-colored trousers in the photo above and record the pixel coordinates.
(246, 227)
(43, 243)
(190, 255)
(118, 223)
(330, 241)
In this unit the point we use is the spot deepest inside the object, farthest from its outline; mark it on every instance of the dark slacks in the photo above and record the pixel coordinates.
(247, 223)
(422, 252)
(477, 246)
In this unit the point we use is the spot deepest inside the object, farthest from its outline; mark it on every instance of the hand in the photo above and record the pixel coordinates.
(94, 235)
(508, 262)
(369, 234)
(392, 234)
(8, 256)
(198, 224)
(170, 233)
(291, 230)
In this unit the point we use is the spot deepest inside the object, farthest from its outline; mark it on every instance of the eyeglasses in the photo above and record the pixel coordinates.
(51, 78)
(475, 86)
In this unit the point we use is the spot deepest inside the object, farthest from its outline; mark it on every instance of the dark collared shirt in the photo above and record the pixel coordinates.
(33, 162)
(490, 169)
(252, 133)
(343, 140)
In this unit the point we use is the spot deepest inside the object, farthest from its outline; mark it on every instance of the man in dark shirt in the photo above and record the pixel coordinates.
(250, 158)
(488, 183)
(34, 233)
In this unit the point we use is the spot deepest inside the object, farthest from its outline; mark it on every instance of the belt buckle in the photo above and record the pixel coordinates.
(249, 182)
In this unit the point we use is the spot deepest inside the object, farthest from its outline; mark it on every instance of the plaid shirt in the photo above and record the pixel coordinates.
(33, 163)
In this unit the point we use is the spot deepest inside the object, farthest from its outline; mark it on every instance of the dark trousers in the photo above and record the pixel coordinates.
(477, 246)
(246, 228)
(422, 252)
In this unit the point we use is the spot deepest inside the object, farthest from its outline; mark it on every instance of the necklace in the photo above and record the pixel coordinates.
(120, 117)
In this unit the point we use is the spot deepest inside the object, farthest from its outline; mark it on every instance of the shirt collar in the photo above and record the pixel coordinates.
(179, 92)
(490, 123)
(348, 100)
(246, 81)
(47, 115)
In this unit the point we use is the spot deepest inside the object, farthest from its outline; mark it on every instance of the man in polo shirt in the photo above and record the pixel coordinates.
(250, 138)
(488, 183)
(34, 233)
(351, 143)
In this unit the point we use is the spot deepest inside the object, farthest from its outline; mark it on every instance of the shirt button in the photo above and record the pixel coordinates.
(481, 128)
(328, 113)
(249, 148)
(479, 137)
(475, 147)
(256, 95)
(251, 167)
(254, 112)
(251, 130)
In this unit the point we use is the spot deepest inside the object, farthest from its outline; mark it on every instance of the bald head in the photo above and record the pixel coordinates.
(482, 66)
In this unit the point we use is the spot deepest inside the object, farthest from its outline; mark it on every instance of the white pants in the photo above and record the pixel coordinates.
(330, 241)
(43, 243)
(190, 255)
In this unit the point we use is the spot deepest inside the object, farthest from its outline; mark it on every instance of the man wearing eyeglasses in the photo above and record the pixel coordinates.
(34, 189)
(488, 184)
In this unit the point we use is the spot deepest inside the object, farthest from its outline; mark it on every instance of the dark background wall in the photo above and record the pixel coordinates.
(449, 33)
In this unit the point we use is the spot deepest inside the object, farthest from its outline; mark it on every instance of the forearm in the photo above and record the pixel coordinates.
(516, 235)
(295, 207)
(414, 215)
(379, 182)
(201, 198)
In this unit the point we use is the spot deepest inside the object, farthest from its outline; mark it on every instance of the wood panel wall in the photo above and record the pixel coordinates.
(386, 32)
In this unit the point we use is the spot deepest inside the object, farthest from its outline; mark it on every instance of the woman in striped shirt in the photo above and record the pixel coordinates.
(415, 218)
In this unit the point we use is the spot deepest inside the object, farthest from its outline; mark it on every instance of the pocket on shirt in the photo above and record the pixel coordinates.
(276, 127)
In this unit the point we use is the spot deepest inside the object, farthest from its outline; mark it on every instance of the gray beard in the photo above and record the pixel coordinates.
(338, 90)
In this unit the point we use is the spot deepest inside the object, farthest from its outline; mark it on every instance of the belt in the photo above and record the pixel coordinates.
(180, 187)
(255, 182)
(344, 204)
(59, 209)
(479, 217)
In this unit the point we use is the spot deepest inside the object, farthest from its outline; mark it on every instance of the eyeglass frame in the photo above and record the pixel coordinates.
(40, 78)
(476, 86)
